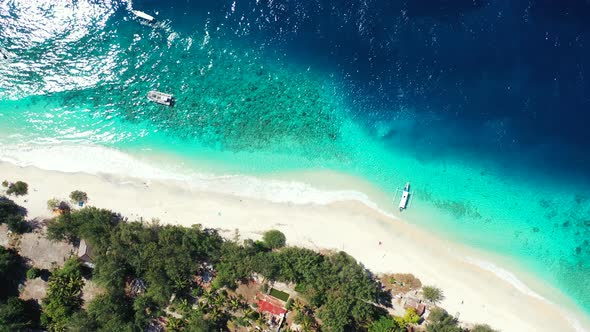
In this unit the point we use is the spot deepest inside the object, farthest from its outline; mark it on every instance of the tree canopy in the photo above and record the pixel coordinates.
(13, 215)
(341, 290)
(11, 272)
(9, 209)
(433, 294)
(165, 259)
(18, 315)
(482, 328)
(63, 296)
(274, 239)
(18, 188)
(440, 321)
(78, 196)
(386, 324)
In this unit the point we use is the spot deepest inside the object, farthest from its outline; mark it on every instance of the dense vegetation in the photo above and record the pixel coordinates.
(15, 314)
(18, 188)
(274, 239)
(147, 271)
(166, 258)
(63, 296)
(13, 215)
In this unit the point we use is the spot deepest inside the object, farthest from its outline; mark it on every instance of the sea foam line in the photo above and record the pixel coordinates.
(94, 159)
(522, 287)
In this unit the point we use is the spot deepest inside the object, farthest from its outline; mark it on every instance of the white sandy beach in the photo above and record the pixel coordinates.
(478, 295)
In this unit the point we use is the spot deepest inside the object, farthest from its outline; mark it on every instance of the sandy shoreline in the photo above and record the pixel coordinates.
(478, 295)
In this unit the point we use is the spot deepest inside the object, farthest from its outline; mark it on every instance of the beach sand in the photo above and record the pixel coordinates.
(474, 292)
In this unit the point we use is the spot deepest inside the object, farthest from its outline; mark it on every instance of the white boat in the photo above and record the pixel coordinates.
(143, 15)
(160, 97)
(403, 202)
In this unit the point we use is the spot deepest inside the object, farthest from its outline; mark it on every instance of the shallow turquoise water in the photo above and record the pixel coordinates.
(249, 109)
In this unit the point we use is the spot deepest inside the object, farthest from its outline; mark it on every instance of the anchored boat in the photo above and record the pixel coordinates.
(160, 97)
(143, 15)
(404, 201)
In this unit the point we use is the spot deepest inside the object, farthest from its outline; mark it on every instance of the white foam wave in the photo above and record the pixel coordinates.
(521, 287)
(506, 276)
(94, 159)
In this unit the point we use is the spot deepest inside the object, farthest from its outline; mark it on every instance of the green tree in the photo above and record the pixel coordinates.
(386, 324)
(11, 272)
(17, 315)
(78, 196)
(196, 322)
(33, 273)
(63, 298)
(110, 312)
(335, 314)
(432, 294)
(17, 224)
(52, 204)
(482, 328)
(9, 209)
(440, 321)
(18, 188)
(274, 239)
(411, 316)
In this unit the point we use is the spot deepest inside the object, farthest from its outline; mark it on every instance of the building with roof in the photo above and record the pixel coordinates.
(85, 254)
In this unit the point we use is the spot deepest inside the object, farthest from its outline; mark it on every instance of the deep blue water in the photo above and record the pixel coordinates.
(501, 79)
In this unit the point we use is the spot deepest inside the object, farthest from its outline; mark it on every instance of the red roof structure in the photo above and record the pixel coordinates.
(271, 305)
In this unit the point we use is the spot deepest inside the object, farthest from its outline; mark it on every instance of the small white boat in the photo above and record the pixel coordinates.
(144, 16)
(160, 97)
(403, 203)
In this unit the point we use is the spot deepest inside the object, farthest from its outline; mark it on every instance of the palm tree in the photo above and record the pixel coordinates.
(179, 283)
(250, 314)
(215, 314)
(208, 296)
(173, 324)
(184, 306)
(201, 307)
(307, 324)
(234, 304)
(219, 300)
(298, 305)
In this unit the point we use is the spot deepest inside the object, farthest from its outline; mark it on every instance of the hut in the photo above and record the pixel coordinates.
(415, 304)
(85, 254)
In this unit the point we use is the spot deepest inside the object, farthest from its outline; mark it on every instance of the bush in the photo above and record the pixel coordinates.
(482, 328)
(55, 204)
(411, 317)
(441, 321)
(9, 209)
(17, 224)
(33, 273)
(63, 296)
(18, 188)
(11, 272)
(5, 183)
(386, 324)
(289, 304)
(18, 315)
(274, 239)
(52, 204)
(78, 196)
(432, 294)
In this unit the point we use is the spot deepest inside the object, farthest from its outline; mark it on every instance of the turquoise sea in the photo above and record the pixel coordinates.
(482, 106)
